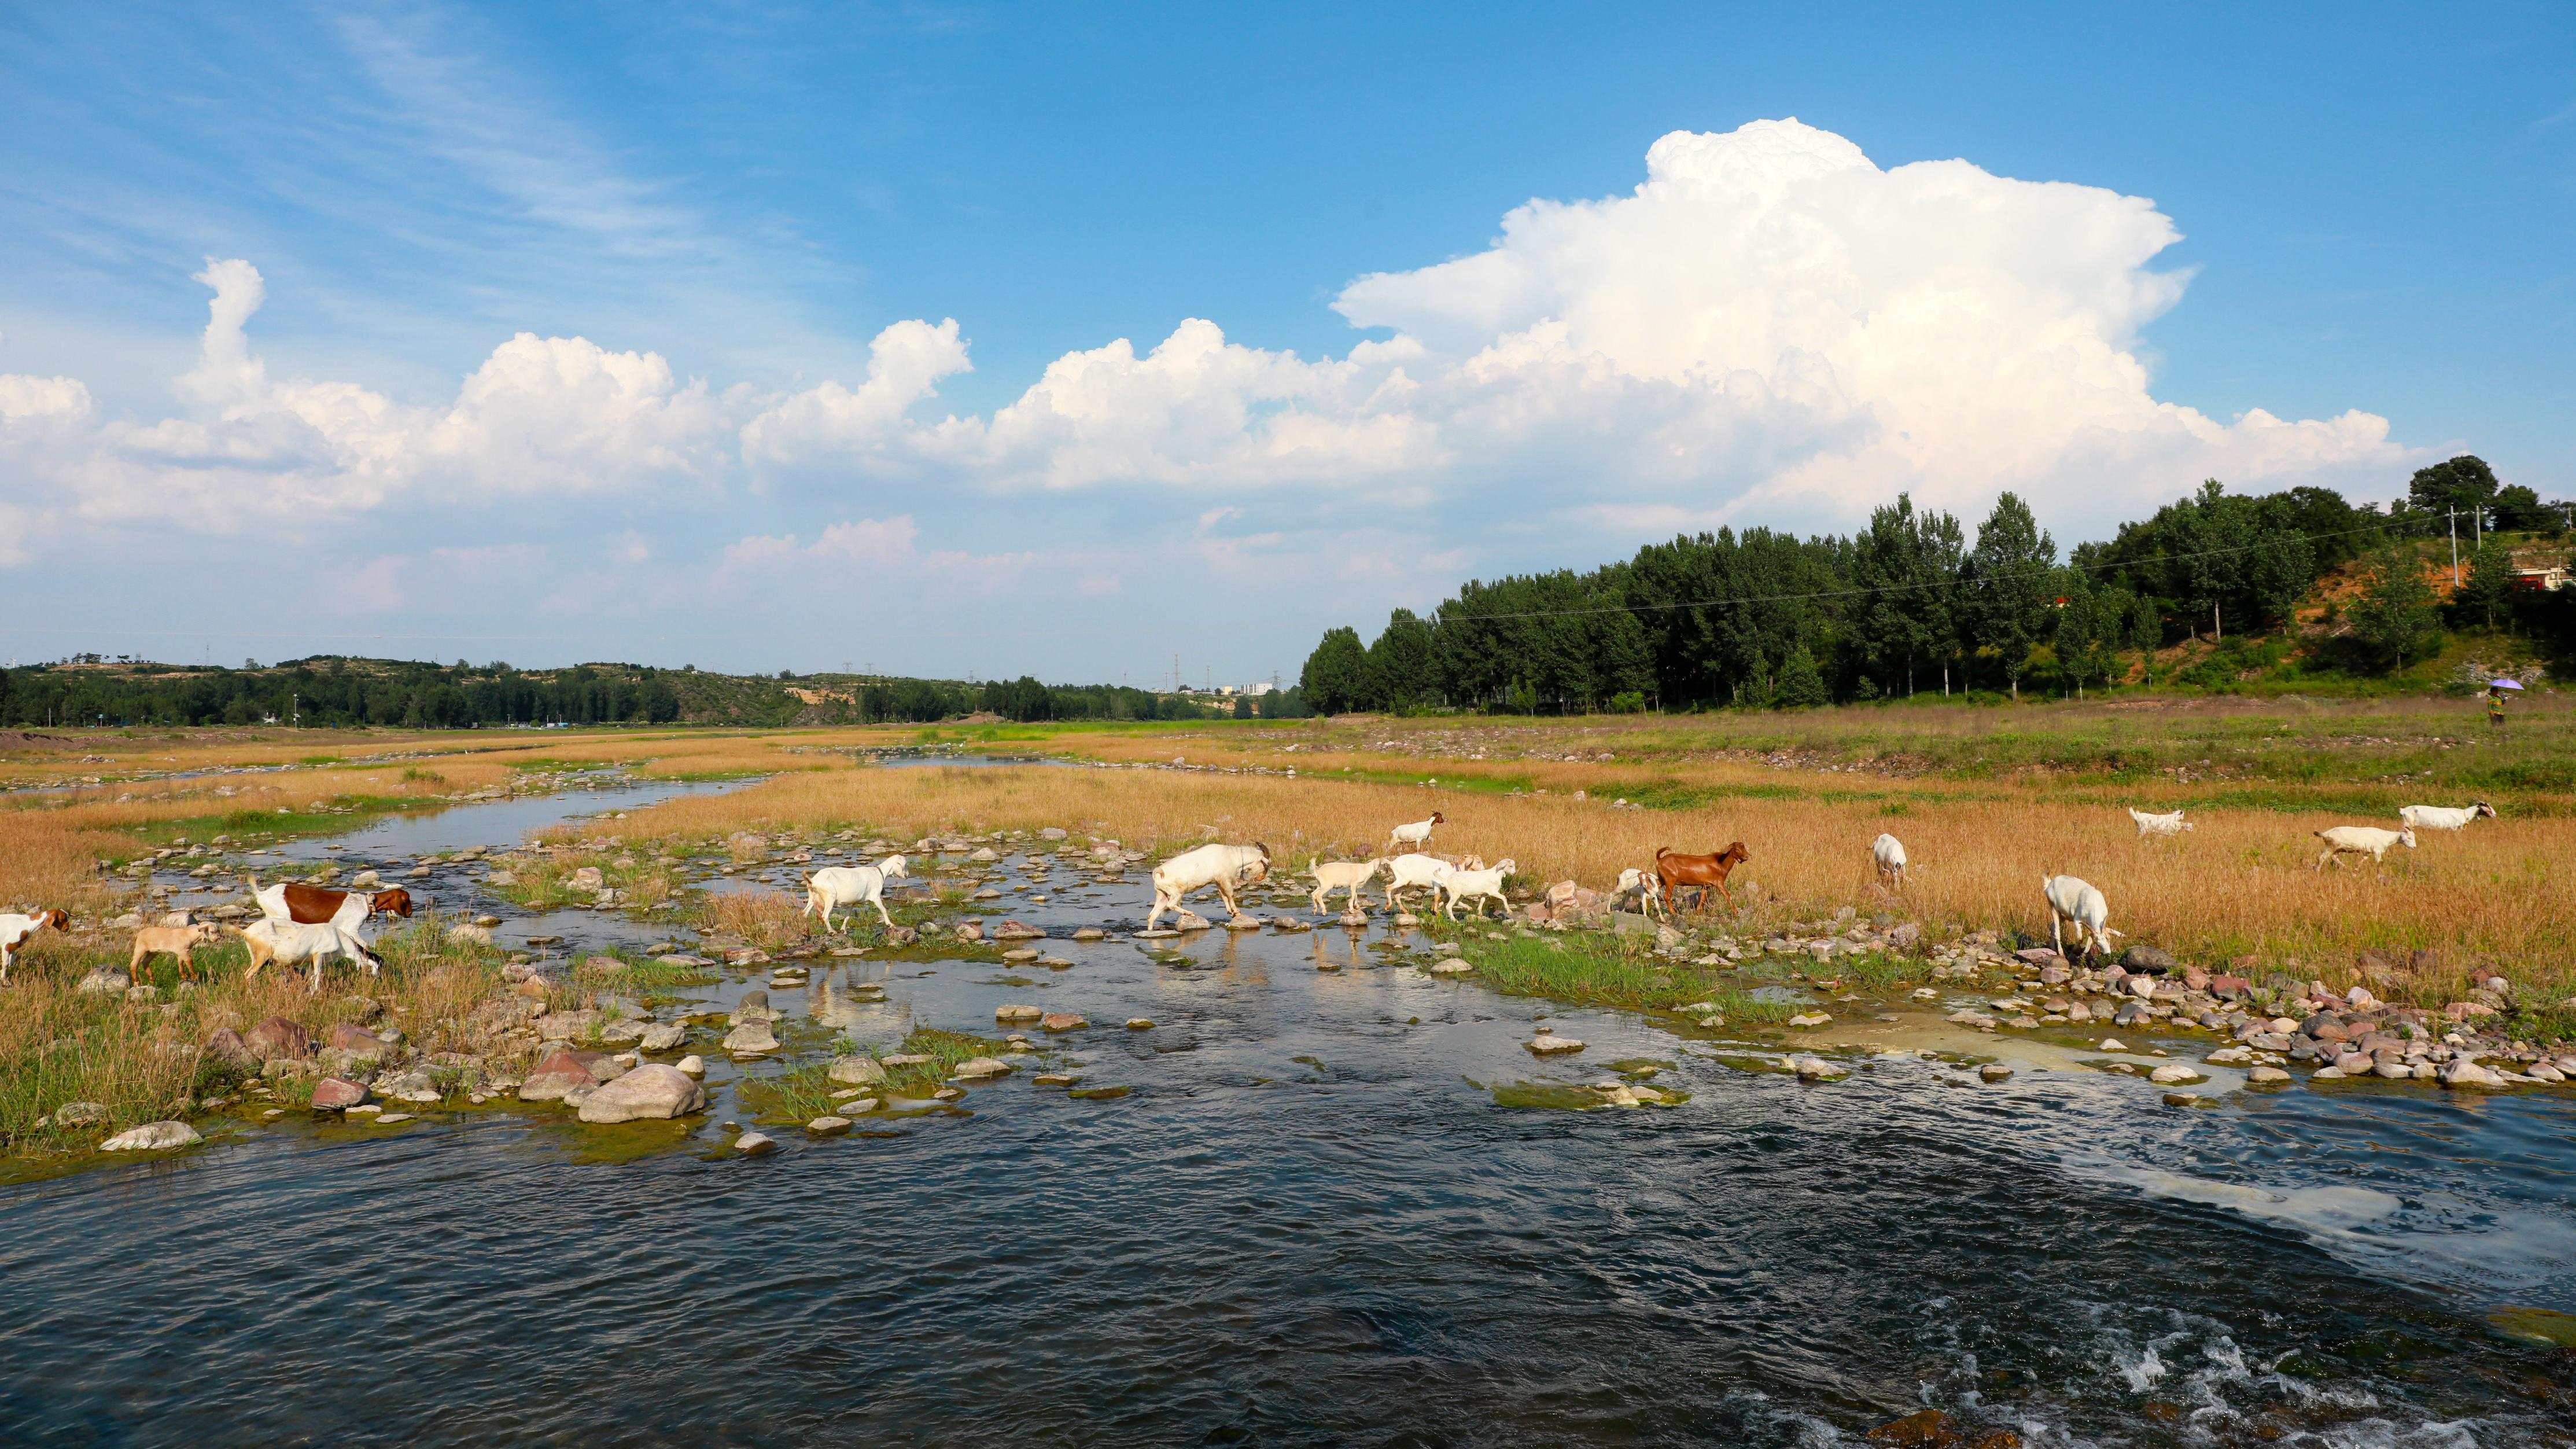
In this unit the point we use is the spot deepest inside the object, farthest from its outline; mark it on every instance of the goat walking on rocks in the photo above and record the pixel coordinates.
(1343, 875)
(835, 886)
(2075, 902)
(1227, 867)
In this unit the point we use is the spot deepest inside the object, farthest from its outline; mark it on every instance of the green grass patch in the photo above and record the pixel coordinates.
(799, 1095)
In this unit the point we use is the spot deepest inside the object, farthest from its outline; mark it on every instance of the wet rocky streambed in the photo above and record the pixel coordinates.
(1326, 1197)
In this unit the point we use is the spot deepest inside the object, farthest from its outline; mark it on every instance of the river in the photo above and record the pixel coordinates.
(1309, 1222)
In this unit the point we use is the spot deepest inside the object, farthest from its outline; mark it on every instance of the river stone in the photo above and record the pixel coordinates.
(1090, 933)
(2266, 1076)
(350, 1037)
(412, 1086)
(976, 1068)
(650, 1091)
(559, 1073)
(2393, 1071)
(1017, 1011)
(1451, 967)
(279, 1037)
(470, 935)
(152, 1137)
(2147, 959)
(81, 1114)
(588, 878)
(1809, 1069)
(1994, 1072)
(692, 1064)
(1190, 921)
(828, 1126)
(227, 1046)
(754, 1006)
(754, 1144)
(2463, 1072)
(1549, 1046)
(902, 936)
(2174, 1073)
(1016, 931)
(1811, 1019)
(662, 1036)
(751, 1037)
(335, 1094)
(1140, 1023)
(104, 980)
(624, 1030)
(857, 1071)
(1062, 1021)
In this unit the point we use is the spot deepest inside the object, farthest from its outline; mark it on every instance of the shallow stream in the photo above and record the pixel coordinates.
(1309, 1222)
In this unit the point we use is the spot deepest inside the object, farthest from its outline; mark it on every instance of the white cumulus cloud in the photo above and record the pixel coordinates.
(1770, 324)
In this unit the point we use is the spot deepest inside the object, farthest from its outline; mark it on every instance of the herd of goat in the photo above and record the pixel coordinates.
(303, 925)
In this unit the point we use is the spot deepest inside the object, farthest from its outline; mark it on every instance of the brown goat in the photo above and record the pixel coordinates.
(312, 905)
(1674, 872)
(172, 941)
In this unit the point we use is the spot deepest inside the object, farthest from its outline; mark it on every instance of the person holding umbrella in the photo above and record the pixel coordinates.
(2495, 699)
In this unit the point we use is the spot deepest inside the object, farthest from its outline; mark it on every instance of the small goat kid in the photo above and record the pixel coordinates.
(2168, 824)
(1227, 867)
(176, 941)
(2369, 840)
(16, 929)
(1889, 854)
(2443, 817)
(1416, 835)
(1343, 875)
(1420, 872)
(851, 885)
(2076, 902)
(1643, 885)
(1479, 886)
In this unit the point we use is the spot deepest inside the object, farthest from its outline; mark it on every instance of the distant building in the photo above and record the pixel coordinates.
(2539, 575)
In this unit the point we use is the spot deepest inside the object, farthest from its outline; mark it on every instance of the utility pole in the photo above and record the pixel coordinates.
(294, 711)
(2453, 515)
(2217, 635)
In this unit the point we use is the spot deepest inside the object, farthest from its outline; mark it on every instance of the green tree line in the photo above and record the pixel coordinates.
(1914, 601)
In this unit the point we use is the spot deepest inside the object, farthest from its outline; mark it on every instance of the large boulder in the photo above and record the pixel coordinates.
(152, 1137)
(337, 1094)
(651, 1091)
(560, 1073)
(278, 1037)
(2147, 959)
(226, 1046)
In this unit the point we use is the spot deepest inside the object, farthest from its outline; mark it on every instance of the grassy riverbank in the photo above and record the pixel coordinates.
(1987, 800)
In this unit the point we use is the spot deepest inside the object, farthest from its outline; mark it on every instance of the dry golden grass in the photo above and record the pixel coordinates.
(140, 1059)
(2241, 883)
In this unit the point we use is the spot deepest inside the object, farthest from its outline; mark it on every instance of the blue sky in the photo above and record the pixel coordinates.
(712, 221)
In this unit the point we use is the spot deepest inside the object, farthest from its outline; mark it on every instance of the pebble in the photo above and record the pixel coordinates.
(1994, 1072)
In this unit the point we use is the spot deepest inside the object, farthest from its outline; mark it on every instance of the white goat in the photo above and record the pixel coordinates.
(1475, 885)
(1889, 853)
(2171, 824)
(1416, 835)
(2076, 902)
(835, 886)
(16, 929)
(2443, 817)
(1343, 875)
(1645, 886)
(1420, 872)
(2367, 840)
(1224, 866)
(291, 944)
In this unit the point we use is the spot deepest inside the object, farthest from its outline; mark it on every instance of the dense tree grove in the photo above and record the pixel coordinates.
(1913, 602)
(340, 692)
